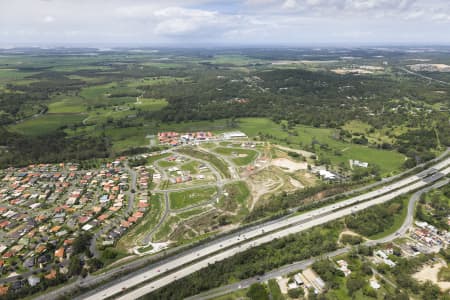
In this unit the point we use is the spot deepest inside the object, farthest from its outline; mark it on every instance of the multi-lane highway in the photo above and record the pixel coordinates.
(200, 257)
(288, 269)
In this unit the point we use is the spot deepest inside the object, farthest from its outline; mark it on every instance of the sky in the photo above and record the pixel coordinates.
(224, 22)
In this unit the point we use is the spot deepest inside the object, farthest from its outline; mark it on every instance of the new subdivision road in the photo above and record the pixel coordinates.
(200, 257)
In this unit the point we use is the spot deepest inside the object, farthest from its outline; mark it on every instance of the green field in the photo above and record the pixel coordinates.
(248, 155)
(237, 60)
(190, 213)
(214, 160)
(187, 198)
(274, 290)
(238, 191)
(191, 166)
(67, 105)
(154, 158)
(337, 152)
(166, 164)
(125, 138)
(7, 75)
(166, 228)
(149, 81)
(150, 104)
(46, 124)
(236, 200)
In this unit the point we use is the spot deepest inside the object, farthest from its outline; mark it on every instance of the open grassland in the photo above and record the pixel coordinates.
(237, 60)
(125, 138)
(240, 157)
(235, 200)
(191, 213)
(149, 81)
(238, 191)
(67, 105)
(191, 167)
(166, 164)
(383, 135)
(154, 158)
(95, 92)
(69, 111)
(7, 75)
(46, 124)
(146, 104)
(337, 151)
(214, 160)
(166, 228)
(187, 198)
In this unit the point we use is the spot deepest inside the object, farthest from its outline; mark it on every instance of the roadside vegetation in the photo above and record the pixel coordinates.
(380, 220)
(434, 208)
(254, 262)
(56, 107)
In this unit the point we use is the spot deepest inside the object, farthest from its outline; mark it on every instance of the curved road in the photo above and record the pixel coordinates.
(219, 184)
(132, 268)
(287, 269)
(196, 260)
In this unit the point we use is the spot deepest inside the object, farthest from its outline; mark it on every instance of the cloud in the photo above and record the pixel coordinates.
(193, 23)
(289, 4)
(49, 19)
(224, 21)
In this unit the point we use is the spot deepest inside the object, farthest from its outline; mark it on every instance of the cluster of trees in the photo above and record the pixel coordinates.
(417, 146)
(254, 262)
(316, 98)
(439, 202)
(361, 173)
(375, 219)
(257, 291)
(402, 274)
(357, 281)
(328, 272)
(362, 271)
(54, 147)
(16, 106)
(351, 239)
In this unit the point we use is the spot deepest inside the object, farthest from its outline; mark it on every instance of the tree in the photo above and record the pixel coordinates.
(109, 253)
(430, 291)
(257, 292)
(95, 264)
(370, 292)
(81, 243)
(296, 293)
(354, 283)
(75, 266)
